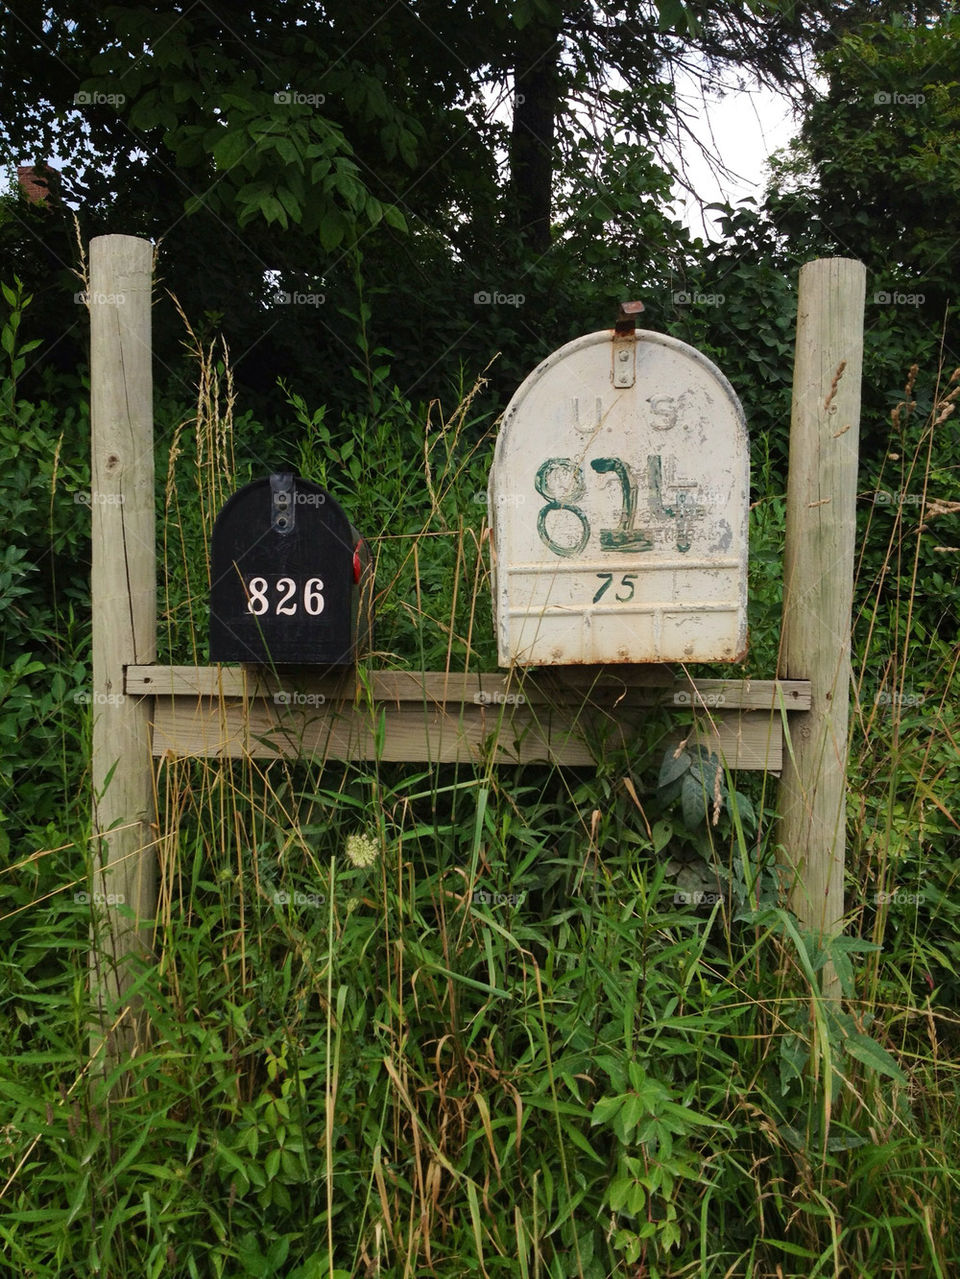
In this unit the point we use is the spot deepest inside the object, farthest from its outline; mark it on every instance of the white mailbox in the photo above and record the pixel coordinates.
(618, 504)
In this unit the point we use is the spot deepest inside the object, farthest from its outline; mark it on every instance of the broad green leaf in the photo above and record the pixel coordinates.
(273, 210)
(662, 834)
(617, 1192)
(331, 230)
(673, 766)
(746, 810)
(874, 1055)
(673, 16)
(232, 148)
(629, 1116)
(579, 1140)
(290, 203)
(694, 802)
(605, 1109)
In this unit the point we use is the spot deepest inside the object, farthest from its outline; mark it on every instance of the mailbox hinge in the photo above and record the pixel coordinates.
(625, 345)
(282, 505)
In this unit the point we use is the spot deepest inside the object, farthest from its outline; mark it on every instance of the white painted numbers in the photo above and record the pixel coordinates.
(286, 597)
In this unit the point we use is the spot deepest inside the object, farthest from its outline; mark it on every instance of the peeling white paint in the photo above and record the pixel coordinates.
(619, 514)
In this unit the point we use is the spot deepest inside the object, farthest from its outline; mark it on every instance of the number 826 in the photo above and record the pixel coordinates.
(286, 603)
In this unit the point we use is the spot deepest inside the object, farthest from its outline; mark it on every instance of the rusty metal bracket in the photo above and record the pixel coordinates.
(625, 345)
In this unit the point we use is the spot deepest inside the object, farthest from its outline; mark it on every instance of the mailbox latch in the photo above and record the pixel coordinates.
(282, 505)
(625, 345)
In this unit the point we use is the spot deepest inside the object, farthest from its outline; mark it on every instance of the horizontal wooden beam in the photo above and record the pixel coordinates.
(631, 685)
(572, 716)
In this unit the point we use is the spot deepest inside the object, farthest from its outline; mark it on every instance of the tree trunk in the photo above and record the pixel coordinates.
(537, 88)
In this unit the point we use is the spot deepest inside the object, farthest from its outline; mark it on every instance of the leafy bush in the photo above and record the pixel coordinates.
(467, 1018)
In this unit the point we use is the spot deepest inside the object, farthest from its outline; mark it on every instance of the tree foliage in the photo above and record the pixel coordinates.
(875, 175)
(434, 151)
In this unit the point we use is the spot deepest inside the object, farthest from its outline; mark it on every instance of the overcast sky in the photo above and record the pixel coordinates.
(743, 129)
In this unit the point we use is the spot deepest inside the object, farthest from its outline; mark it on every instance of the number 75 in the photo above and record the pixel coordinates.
(626, 583)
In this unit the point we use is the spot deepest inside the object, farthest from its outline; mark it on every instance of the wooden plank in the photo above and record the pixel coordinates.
(637, 686)
(818, 583)
(123, 587)
(458, 733)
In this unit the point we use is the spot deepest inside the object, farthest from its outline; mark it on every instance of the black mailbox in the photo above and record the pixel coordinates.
(291, 581)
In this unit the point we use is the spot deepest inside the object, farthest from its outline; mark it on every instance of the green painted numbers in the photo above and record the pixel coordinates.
(626, 584)
(624, 537)
(545, 484)
(564, 496)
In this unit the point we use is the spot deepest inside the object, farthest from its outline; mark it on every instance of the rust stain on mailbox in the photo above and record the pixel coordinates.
(618, 503)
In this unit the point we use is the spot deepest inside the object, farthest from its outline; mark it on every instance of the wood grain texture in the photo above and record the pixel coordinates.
(818, 581)
(445, 731)
(123, 604)
(640, 686)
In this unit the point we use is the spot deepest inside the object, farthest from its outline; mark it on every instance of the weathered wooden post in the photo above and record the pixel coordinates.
(123, 597)
(818, 584)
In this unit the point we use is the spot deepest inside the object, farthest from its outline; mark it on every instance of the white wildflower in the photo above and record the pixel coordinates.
(361, 850)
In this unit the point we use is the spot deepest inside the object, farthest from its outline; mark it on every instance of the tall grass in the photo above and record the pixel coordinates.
(449, 1020)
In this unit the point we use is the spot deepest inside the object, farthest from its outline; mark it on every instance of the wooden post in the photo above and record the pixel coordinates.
(818, 584)
(123, 600)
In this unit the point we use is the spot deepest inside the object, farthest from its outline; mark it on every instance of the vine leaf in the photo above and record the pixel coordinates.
(673, 767)
(694, 798)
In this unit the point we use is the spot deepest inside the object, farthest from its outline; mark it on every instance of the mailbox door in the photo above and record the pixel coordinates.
(618, 501)
(283, 582)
